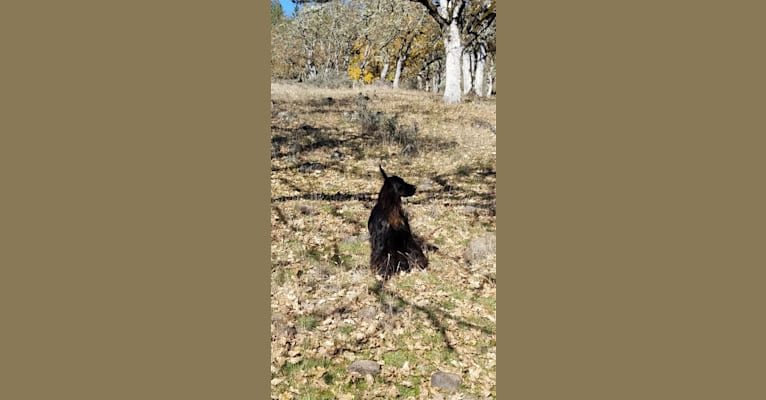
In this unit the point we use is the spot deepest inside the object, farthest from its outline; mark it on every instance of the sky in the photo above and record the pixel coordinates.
(288, 7)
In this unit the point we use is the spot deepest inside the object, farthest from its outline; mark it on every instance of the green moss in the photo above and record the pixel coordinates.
(353, 248)
(317, 394)
(459, 295)
(464, 170)
(447, 305)
(314, 253)
(279, 276)
(489, 302)
(346, 329)
(398, 357)
(328, 378)
(308, 322)
(414, 391)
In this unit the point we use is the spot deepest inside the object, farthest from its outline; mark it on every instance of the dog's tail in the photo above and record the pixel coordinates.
(382, 172)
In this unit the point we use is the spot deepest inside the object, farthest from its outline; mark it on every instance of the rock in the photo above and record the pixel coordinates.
(293, 148)
(362, 98)
(469, 210)
(409, 150)
(368, 313)
(310, 167)
(364, 367)
(308, 129)
(446, 381)
(484, 125)
(289, 331)
(281, 326)
(307, 210)
(480, 247)
(286, 116)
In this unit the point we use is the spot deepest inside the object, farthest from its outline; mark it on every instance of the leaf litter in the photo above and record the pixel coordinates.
(328, 310)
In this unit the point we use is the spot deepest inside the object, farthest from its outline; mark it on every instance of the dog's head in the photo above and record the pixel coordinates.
(397, 185)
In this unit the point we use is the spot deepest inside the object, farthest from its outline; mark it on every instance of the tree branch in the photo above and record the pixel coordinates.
(429, 5)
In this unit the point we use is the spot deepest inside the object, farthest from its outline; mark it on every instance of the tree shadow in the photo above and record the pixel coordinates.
(300, 141)
(308, 149)
(434, 315)
(327, 197)
(450, 192)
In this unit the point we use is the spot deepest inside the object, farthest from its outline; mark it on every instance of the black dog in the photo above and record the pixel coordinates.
(393, 247)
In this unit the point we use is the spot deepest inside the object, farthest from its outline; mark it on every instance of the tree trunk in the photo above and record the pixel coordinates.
(454, 51)
(481, 60)
(311, 69)
(398, 74)
(489, 76)
(384, 73)
(363, 63)
(346, 61)
(467, 84)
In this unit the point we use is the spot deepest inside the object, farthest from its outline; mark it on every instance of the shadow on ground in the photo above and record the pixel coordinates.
(434, 315)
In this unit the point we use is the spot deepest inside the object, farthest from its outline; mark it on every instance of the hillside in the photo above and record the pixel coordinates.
(328, 310)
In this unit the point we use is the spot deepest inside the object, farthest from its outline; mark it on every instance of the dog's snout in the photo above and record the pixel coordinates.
(409, 190)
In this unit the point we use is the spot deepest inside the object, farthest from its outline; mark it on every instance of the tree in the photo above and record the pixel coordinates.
(456, 19)
(479, 38)
(392, 28)
(277, 13)
(318, 39)
(391, 40)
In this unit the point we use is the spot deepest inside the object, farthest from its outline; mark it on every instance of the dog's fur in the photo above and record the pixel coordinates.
(394, 248)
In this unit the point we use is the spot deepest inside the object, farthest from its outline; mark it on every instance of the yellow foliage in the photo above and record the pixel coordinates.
(354, 72)
(368, 77)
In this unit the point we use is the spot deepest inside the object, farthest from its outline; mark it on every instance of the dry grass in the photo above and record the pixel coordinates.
(327, 308)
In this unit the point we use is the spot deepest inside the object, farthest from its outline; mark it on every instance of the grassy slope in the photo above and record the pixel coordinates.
(327, 308)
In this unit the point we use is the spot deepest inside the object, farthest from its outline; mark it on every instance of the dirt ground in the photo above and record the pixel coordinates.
(328, 309)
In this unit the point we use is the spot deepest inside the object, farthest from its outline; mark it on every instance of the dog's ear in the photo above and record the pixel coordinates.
(383, 172)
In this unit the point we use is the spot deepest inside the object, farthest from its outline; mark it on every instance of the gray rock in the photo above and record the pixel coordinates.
(484, 124)
(337, 155)
(364, 367)
(288, 331)
(368, 313)
(470, 210)
(286, 116)
(311, 167)
(410, 150)
(281, 326)
(307, 210)
(480, 247)
(446, 381)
